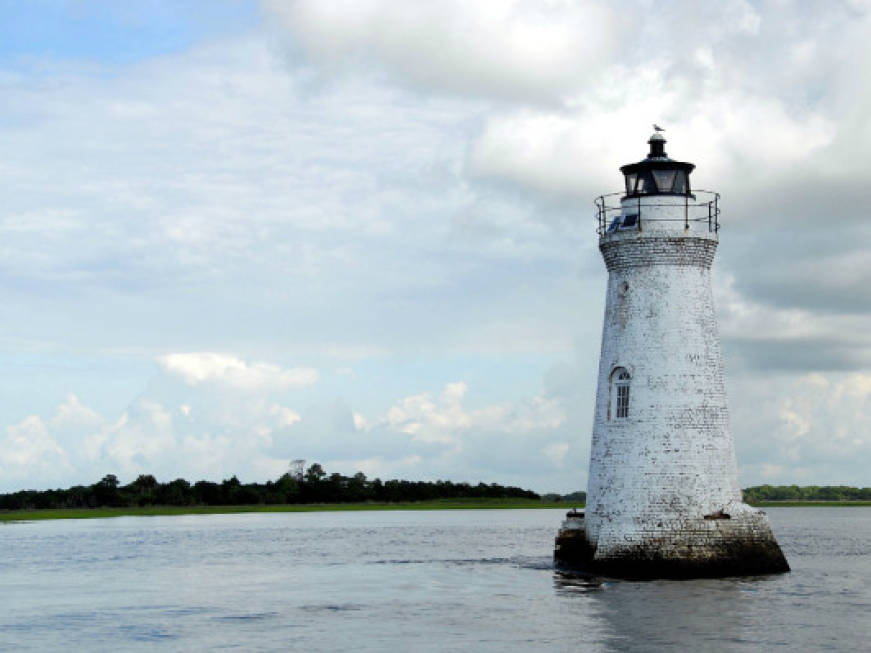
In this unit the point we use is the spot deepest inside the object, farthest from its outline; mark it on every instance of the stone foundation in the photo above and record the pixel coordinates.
(718, 545)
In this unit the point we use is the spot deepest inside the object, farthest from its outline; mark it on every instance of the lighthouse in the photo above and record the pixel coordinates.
(663, 498)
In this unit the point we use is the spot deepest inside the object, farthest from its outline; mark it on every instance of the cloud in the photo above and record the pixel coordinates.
(763, 336)
(73, 413)
(30, 454)
(812, 429)
(381, 467)
(149, 438)
(284, 416)
(379, 183)
(141, 435)
(807, 429)
(512, 49)
(283, 215)
(542, 150)
(834, 280)
(207, 367)
(445, 420)
(432, 421)
(223, 430)
(40, 451)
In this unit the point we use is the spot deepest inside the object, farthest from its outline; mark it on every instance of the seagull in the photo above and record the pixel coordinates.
(657, 128)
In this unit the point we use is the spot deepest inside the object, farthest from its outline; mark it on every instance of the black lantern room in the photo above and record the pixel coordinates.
(657, 174)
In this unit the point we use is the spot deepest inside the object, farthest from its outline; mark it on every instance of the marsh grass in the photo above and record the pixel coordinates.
(152, 511)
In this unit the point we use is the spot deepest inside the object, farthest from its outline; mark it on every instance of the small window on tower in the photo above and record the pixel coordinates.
(620, 380)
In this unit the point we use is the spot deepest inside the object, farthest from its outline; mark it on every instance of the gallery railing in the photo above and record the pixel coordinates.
(703, 206)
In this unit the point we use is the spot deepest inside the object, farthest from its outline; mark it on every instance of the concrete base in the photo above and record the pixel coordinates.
(704, 548)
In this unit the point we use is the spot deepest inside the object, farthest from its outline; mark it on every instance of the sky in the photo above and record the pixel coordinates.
(361, 233)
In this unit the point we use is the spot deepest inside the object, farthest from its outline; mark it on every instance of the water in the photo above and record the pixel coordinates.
(408, 581)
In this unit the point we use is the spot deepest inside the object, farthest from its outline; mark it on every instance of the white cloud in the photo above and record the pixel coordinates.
(809, 429)
(148, 439)
(520, 417)
(431, 421)
(208, 367)
(229, 429)
(360, 422)
(542, 150)
(284, 416)
(445, 419)
(73, 413)
(508, 48)
(30, 454)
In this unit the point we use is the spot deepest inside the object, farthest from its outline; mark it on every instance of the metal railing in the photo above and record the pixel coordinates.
(694, 211)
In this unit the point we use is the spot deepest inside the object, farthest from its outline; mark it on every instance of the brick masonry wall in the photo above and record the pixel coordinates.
(657, 472)
(658, 250)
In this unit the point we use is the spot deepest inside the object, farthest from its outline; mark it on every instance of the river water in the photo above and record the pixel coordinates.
(463, 580)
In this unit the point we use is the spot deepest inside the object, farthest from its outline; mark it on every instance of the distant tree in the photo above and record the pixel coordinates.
(317, 486)
(286, 489)
(145, 482)
(208, 493)
(141, 492)
(357, 488)
(315, 473)
(106, 491)
(377, 490)
(575, 497)
(175, 493)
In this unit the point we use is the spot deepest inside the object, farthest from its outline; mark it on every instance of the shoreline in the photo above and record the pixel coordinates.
(453, 504)
(158, 511)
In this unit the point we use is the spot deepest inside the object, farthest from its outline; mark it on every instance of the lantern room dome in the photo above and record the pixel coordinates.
(657, 174)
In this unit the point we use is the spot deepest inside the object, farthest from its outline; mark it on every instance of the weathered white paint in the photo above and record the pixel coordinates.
(656, 473)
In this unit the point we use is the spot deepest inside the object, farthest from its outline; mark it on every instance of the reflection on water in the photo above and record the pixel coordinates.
(688, 615)
(572, 583)
(661, 615)
(422, 581)
(820, 605)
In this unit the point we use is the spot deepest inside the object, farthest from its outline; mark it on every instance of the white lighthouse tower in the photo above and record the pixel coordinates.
(663, 498)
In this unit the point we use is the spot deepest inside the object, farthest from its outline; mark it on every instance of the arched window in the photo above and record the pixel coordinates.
(620, 380)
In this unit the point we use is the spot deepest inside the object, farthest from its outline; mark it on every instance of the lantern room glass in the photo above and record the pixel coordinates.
(664, 180)
(651, 182)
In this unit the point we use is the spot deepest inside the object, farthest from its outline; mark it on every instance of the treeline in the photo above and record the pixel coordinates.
(759, 493)
(577, 498)
(316, 486)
